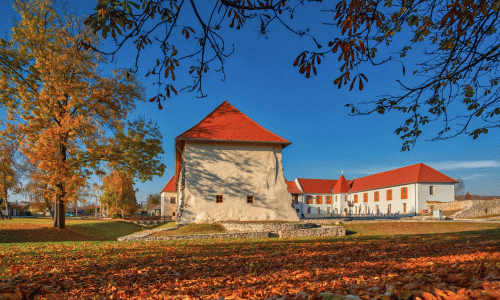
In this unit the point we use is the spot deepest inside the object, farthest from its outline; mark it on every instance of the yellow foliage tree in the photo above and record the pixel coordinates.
(70, 116)
(118, 194)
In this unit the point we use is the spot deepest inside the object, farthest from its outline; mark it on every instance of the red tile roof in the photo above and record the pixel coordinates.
(342, 186)
(317, 186)
(292, 187)
(170, 187)
(226, 123)
(409, 174)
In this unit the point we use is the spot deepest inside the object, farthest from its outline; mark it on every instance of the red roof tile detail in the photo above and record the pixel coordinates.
(292, 187)
(226, 123)
(317, 186)
(170, 187)
(409, 174)
(342, 186)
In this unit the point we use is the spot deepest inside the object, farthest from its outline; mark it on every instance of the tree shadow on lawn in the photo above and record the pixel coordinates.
(92, 231)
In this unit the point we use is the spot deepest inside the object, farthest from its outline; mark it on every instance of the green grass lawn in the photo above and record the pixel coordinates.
(411, 228)
(193, 229)
(20, 230)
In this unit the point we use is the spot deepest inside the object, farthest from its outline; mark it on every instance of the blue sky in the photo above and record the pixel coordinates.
(262, 83)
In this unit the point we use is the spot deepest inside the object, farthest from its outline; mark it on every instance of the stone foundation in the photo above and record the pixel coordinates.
(266, 226)
(322, 231)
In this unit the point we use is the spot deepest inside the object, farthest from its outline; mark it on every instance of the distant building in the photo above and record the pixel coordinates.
(403, 191)
(168, 204)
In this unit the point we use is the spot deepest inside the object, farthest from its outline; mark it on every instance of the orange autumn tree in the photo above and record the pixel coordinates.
(10, 173)
(118, 194)
(71, 117)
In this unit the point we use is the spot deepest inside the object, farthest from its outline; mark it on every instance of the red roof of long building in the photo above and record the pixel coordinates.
(226, 123)
(292, 187)
(342, 186)
(405, 175)
(317, 186)
(170, 186)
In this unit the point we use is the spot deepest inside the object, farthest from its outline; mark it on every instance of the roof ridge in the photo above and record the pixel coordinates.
(227, 123)
(256, 122)
(204, 118)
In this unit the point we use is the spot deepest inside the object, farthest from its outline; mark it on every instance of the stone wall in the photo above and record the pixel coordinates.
(479, 208)
(446, 206)
(234, 235)
(322, 231)
(267, 226)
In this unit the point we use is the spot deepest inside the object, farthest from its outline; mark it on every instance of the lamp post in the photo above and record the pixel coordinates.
(350, 204)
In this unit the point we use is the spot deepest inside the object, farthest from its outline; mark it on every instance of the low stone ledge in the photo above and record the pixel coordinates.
(265, 226)
(233, 235)
(322, 231)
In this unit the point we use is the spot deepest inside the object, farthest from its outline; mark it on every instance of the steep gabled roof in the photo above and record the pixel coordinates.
(226, 123)
(317, 186)
(170, 187)
(405, 175)
(342, 186)
(292, 187)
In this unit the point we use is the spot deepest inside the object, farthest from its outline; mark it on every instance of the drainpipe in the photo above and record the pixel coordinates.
(415, 198)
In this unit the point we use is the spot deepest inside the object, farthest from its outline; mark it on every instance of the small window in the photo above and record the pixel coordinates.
(249, 199)
(431, 190)
(219, 199)
(335, 198)
(319, 199)
(172, 200)
(309, 210)
(404, 193)
(375, 196)
(388, 195)
(365, 197)
(404, 207)
(376, 210)
(356, 198)
(173, 214)
(319, 210)
(328, 209)
(389, 208)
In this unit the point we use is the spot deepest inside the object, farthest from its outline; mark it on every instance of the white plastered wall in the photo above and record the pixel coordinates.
(234, 170)
(443, 192)
(383, 204)
(168, 208)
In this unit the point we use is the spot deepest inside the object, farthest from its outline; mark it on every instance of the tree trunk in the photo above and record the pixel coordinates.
(60, 218)
(1, 213)
(123, 216)
(55, 213)
(7, 206)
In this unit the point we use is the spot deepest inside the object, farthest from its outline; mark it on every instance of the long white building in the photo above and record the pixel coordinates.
(403, 191)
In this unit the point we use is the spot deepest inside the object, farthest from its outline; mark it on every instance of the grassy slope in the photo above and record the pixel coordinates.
(41, 230)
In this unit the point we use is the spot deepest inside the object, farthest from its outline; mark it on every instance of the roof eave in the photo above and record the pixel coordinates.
(238, 141)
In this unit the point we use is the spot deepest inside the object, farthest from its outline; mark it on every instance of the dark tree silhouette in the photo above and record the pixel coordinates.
(457, 74)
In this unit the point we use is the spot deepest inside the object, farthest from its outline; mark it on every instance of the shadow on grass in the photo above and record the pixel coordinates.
(91, 231)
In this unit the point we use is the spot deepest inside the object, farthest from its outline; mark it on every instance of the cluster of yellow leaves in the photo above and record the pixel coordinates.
(434, 267)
